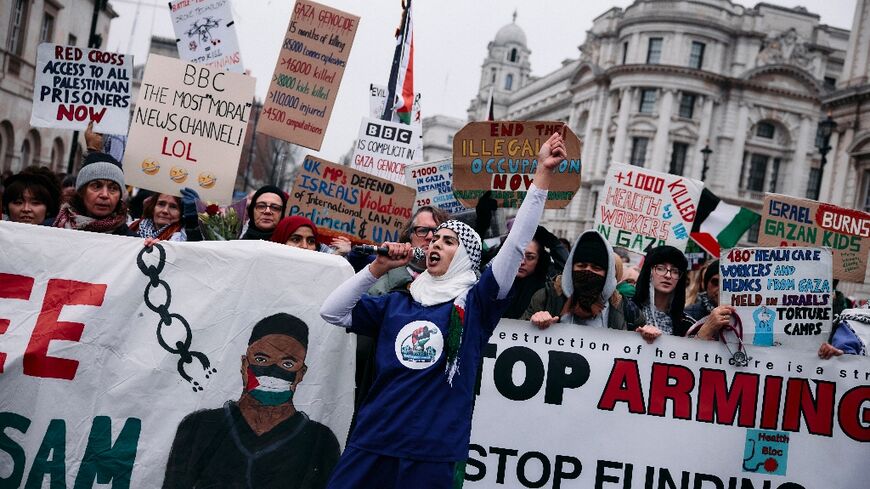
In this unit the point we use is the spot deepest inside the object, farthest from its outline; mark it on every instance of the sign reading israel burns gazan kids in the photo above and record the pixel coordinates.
(791, 221)
(782, 296)
(74, 86)
(188, 129)
(502, 157)
(385, 149)
(308, 73)
(640, 208)
(434, 183)
(205, 33)
(346, 202)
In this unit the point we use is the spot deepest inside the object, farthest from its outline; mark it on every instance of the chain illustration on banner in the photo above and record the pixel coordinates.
(181, 348)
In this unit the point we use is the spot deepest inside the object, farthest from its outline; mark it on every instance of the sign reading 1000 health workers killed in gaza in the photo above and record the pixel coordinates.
(640, 208)
(502, 157)
(188, 129)
(310, 65)
(76, 86)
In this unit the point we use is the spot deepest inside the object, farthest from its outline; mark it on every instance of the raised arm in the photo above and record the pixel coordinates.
(506, 264)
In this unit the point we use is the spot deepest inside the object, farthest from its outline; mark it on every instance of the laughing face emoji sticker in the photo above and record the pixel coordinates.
(178, 174)
(150, 167)
(206, 180)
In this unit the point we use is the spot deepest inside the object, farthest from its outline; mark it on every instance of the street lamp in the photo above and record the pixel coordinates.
(823, 143)
(705, 153)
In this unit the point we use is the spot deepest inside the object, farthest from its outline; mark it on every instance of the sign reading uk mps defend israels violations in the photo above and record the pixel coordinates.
(791, 221)
(782, 296)
(385, 149)
(345, 202)
(188, 129)
(640, 208)
(584, 408)
(503, 156)
(169, 367)
(76, 86)
(310, 66)
(205, 33)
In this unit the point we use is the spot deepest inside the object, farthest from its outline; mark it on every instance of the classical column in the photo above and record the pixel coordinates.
(799, 170)
(604, 139)
(622, 126)
(733, 184)
(703, 139)
(586, 154)
(660, 143)
(833, 168)
(838, 195)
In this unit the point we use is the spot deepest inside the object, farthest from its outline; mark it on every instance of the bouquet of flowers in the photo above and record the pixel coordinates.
(221, 223)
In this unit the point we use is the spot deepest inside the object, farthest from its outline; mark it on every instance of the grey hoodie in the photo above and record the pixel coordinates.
(599, 321)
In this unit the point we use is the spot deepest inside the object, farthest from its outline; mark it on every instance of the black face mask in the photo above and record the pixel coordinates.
(587, 289)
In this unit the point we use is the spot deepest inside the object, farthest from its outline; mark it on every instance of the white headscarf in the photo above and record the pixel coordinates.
(461, 275)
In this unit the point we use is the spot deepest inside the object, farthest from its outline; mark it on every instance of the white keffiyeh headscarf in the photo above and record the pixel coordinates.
(461, 275)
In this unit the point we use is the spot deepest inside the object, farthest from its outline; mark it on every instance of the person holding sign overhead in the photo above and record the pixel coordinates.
(413, 428)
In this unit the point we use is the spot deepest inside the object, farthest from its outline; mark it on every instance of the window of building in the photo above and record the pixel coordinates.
(812, 183)
(512, 56)
(774, 175)
(26, 154)
(594, 204)
(638, 151)
(765, 130)
(624, 52)
(752, 234)
(687, 105)
(17, 26)
(830, 83)
(696, 56)
(492, 75)
(654, 51)
(757, 172)
(647, 100)
(46, 30)
(72, 40)
(610, 142)
(508, 82)
(678, 158)
(866, 191)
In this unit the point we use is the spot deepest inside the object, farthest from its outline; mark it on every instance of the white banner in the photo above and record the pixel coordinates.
(639, 208)
(579, 407)
(434, 184)
(385, 149)
(205, 33)
(75, 86)
(94, 383)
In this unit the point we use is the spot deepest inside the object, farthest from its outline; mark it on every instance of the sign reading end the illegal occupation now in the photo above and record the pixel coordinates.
(502, 157)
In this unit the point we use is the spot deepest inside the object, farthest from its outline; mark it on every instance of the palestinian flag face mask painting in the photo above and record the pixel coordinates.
(270, 385)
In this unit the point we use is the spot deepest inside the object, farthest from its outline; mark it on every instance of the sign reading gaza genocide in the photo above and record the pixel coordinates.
(205, 33)
(345, 202)
(75, 86)
(782, 296)
(640, 208)
(188, 129)
(310, 65)
(583, 408)
(109, 381)
(790, 221)
(503, 156)
(385, 149)
(434, 184)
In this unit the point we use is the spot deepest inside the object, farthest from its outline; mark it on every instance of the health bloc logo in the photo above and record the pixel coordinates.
(766, 452)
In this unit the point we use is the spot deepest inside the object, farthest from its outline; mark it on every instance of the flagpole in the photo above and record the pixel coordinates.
(397, 60)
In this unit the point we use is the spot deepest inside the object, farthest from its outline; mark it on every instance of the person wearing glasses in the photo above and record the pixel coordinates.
(661, 293)
(264, 212)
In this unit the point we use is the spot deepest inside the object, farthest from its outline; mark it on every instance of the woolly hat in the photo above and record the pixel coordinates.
(590, 249)
(711, 271)
(100, 166)
(281, 323)
(289, 225)
(266, 189)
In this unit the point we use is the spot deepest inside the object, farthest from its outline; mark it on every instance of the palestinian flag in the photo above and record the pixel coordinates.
(720, 225)
(400, 89)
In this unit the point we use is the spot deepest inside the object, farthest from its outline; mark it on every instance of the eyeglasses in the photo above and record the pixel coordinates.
(662, 270)
(422, 231)
(262, 206)
(530, 257)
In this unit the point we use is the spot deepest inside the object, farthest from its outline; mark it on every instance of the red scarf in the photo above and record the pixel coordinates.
(69, 218)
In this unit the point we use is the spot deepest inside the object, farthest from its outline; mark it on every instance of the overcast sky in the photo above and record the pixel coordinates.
(450, 44)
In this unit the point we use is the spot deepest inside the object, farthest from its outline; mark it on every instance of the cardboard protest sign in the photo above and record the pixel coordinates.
(434, 184)
(579, 408)
(783, 296)
(378, 101)
(205, 33)
(309, 70)
(385, 149)
(188, 129)
(790, 221)
(104, 374)
(74, 86)
(503, 156)
(640, 208)
(345, 202)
